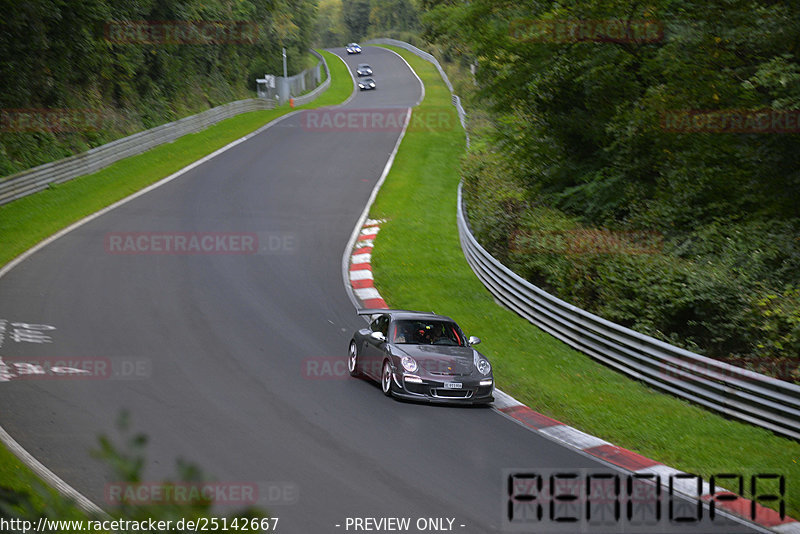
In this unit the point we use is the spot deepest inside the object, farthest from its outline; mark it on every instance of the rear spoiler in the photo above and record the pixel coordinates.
(380, 311)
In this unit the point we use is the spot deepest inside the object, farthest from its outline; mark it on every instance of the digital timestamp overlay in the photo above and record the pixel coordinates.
(601, 500)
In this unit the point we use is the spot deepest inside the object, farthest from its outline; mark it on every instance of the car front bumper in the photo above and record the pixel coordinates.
(469, 391)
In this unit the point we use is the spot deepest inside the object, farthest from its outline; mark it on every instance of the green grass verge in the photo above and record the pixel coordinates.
(418, 264)
(27, 221)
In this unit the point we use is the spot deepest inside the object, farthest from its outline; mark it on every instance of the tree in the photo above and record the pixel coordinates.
(393, 15)
(330, 28)
(356, 18)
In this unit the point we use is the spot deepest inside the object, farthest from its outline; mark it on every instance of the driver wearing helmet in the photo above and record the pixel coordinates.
(426, 335)
(423, 334)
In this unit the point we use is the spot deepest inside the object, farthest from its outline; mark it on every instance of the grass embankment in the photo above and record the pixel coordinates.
(27, 221)
(418, 264)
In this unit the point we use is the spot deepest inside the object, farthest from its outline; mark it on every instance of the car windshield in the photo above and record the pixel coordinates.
(418, 332)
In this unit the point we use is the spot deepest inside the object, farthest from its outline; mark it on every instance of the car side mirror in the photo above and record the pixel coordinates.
(378, 336)
(474, 340)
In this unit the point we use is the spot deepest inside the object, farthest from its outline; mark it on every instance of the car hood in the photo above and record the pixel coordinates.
(441, 359)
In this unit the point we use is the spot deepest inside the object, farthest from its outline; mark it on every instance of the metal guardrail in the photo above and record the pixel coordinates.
(752, 397)
(745, 395)
(305, 99)
(39, 178)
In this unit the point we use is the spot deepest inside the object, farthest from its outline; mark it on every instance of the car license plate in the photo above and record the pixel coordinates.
(452, 385)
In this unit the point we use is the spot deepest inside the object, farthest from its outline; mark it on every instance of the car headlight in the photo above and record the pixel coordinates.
(409, 363)
(483, 366)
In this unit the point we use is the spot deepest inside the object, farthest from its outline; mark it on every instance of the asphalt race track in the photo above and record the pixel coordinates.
(230, 359)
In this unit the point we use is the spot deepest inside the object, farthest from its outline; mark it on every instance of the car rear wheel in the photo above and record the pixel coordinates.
(352, 359)
(386, 379)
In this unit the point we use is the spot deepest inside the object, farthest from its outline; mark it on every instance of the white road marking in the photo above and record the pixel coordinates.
(62, 487)
(31, 333)
(5, 373)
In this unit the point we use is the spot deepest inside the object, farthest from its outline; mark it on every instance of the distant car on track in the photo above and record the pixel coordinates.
(364, 70)
(366, 84)
(353, 48)
(421, 356)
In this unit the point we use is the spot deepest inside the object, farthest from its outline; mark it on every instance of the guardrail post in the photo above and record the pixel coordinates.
(284, 90)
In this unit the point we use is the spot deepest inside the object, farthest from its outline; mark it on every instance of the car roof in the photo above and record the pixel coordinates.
(405, 314)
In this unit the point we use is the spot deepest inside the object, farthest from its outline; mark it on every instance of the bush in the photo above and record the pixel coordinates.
(712, 291)
(777, 334)
(494, 203)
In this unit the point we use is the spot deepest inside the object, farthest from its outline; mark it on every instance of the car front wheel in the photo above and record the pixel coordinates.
(352, 359)
(386, 379)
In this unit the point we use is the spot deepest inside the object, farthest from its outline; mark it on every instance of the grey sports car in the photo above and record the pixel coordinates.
(367, 84)
(421, 356)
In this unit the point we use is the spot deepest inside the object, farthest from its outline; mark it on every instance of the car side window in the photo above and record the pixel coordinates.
(383, 324)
